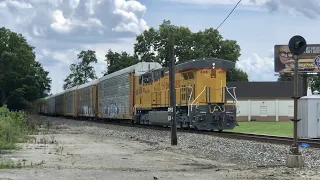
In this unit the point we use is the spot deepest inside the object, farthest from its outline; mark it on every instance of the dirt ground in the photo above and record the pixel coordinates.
(65, 154)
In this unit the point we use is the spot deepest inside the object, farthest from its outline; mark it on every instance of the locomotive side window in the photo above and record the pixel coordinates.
(188, 75)
(185, 76)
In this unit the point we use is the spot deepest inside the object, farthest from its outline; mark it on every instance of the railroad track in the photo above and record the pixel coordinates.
(284, 140)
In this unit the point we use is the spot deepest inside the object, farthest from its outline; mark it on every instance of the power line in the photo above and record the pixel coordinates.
(229, 14)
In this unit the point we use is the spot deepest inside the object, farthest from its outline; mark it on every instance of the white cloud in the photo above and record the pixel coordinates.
(38, 31)
(60, 23)
(124, 44)
(74, 3)
(66, 57)
(258, 68)
(221, 2)
(132, 6)
(91, 6)
(63, 25)
(60, 29)
(15, 4)
(131, 14)
(309, 8)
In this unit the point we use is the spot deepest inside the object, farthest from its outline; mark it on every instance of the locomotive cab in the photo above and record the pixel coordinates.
(200, 96)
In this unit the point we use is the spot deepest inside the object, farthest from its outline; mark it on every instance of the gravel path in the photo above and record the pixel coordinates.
(203, 146)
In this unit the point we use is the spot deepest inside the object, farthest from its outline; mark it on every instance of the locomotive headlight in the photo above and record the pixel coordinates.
(213, 65)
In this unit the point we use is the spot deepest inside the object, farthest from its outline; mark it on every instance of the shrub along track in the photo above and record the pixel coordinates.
(284, 140)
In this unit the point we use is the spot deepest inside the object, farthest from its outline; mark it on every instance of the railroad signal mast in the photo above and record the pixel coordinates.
(297, 46)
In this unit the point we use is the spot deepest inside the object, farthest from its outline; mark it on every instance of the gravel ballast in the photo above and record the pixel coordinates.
(205, 146)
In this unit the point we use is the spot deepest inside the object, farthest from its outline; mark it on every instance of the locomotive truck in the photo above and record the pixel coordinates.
(140, 94)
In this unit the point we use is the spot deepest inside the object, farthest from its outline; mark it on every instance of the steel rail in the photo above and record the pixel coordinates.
(283, 140)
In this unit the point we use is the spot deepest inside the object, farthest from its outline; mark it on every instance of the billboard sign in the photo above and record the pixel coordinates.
(309, 61)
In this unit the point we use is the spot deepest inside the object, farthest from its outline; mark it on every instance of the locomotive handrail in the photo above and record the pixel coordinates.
(189, 99)
(201, 93)
(215, 109)
(235, 96)
(135, 109)
(198, 96)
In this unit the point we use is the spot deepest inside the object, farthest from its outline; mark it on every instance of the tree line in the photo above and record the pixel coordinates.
(23, 79)
(151, 45)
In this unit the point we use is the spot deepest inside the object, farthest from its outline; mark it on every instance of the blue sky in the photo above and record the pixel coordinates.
(59, 29)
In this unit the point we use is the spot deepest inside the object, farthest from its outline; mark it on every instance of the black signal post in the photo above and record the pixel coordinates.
(172, 108)
(297, 46)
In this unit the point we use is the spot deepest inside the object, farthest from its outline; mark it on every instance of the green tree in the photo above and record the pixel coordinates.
(150, 46)
(22, 78)
(315, 82)
(117, 61)
(82, 72)
(285, 77)
(237, 75)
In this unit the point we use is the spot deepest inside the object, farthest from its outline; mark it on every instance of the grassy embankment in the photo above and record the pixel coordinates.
(270, 128)
(13, 129)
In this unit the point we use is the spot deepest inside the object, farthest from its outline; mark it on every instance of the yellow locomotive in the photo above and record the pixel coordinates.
(140, 93)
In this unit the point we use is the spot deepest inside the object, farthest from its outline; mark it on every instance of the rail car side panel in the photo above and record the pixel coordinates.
(114, 97)
(51, 106)
(44, 107)
(95, 100)
(59, 105)
(70, 103)
(85, 101)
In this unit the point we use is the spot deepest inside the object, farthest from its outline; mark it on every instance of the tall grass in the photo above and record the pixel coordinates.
(13, 128)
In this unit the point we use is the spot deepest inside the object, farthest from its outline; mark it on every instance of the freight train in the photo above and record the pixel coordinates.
(140, 94)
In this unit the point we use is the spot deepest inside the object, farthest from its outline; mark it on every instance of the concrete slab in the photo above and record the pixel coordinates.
(295, 161)
(70, 155)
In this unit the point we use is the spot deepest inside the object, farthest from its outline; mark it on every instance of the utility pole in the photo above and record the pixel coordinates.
(172, 108)
(297, 46)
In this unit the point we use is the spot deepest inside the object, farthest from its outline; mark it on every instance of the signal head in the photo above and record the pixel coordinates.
(297, 45)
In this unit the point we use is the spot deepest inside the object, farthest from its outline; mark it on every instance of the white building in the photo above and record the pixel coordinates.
(264, 101)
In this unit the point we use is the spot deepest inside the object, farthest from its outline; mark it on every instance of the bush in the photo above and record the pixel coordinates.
(13, 128)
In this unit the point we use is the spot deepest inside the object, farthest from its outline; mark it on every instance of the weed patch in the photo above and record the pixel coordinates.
(14, 128)
(9, 164)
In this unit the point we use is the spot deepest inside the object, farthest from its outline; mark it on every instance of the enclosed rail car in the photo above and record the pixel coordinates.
(140, 93)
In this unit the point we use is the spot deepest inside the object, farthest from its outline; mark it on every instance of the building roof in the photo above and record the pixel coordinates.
(263, 90)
